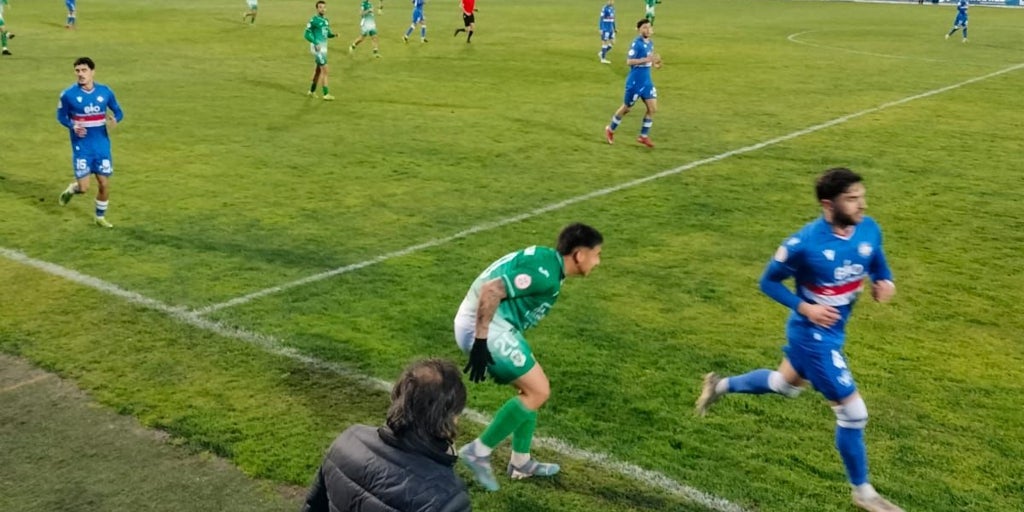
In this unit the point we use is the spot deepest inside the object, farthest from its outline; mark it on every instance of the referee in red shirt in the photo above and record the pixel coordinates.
(468, 8)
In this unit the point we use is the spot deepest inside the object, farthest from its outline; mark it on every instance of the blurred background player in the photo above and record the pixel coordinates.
(961, 20)
(70, 4)
(4, 33)
(367, 28)
(83, 108)
(417, 19)
(318, 31)
(253, 6)
(639, 84)
(468, 19)
(512, 295)
(606, 26)
(649, 9)
(829, 258)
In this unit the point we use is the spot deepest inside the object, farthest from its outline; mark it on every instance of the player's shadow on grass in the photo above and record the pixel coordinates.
(31, 193)
(309, 261)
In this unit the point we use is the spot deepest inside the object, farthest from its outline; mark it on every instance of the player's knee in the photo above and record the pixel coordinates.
(853, 414)
(779, 385)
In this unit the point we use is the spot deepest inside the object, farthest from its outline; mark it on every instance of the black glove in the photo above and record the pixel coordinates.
(479, 359)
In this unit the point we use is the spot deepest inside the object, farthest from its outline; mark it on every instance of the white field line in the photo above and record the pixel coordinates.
(487, 226)
(271, 345)
(794, 39)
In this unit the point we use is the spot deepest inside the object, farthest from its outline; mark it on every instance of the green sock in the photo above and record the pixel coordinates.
(325, 90)
(3, 39)
(522, 436)
(507, 420)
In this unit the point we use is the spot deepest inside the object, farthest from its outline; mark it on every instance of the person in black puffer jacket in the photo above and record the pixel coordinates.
(406, 465)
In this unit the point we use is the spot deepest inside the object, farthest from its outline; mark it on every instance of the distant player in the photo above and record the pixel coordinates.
(318, 31)
(649, 9)
(468, 19)
(512, 295)
(606, 26)
(70, 4)
(367, 28)
(4, 33)
(253, 6)
(830, 259)
(87, 109)
(639, 84)
(961, 20)
(417, 19)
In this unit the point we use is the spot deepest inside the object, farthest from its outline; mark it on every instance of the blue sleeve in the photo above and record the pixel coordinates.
(64, 112)
(782, 266)
(115, 107)
(879, 267)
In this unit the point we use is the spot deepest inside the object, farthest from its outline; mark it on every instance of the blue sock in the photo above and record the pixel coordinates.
(604, 51)
(407, 32)
(615, 122)
(101, 208)
(423, 32)
(754, 383)
(965, 32)
(645, 128)
(850, 443)
(71, 20)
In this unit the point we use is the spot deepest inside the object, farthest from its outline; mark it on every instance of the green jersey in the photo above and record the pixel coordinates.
(2, 4)
(532, 278)
(366, 22)
(318, 30)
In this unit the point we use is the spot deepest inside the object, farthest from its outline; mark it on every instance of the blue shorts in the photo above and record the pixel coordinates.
(634, 91)
(607, 35)
(85, 164)
(960, 21)
(70, 4)
(824, 365)
(417, 16)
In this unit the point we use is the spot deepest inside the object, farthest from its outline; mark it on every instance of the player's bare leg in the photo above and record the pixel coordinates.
(316, 81)
(323, 82)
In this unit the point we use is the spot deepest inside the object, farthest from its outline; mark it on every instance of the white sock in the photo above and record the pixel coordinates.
(722, 387)
(519, 459)
(865, 490)
(480, 449)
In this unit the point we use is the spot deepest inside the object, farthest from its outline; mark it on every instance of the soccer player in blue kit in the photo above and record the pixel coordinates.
(87, 109)
(606, 26)
(70, 4)
(417, 19)
(829, 259)
(639, 85)
(961, 19)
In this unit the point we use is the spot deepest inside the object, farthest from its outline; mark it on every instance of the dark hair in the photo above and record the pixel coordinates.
(642, 23)
(426, 400)
(578, 235)
(320, 2)
(85, 60)
(834, 182)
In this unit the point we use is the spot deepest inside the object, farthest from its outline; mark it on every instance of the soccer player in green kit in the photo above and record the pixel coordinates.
(318, 31)
(4, 33)
(649, 10)
(367, 28)
(510, 296)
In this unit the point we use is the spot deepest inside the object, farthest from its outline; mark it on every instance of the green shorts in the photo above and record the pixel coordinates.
(512, 356)
(320, 57)
(369, 33)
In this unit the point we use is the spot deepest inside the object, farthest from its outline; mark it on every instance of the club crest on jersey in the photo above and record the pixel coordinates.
(522, 281)
(864, 249)
(100, 99)
(829, 254)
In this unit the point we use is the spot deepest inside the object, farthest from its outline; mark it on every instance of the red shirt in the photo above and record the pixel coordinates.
(468, 6)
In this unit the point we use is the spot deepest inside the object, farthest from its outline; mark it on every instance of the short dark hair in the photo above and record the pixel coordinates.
(578, 235)
(834, 182)
(426, 400)
(320, 2)
(85, 60)
(642, 23)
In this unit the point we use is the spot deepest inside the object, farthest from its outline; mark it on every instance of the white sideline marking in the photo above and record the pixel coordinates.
(271, 345)
(597, 193)
(793, 38)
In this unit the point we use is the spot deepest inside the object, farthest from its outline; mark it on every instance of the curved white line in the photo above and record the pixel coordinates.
(793, 38)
